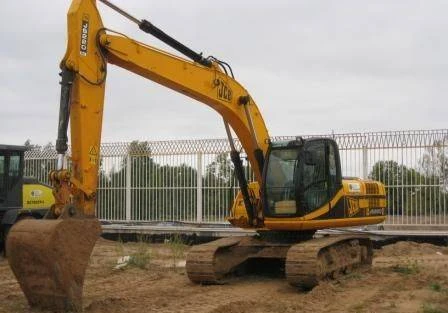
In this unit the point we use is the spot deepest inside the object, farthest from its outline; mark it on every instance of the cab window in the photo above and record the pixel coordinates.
(314, 183)
(280, 186)
(334, 182)
(14, 170)
(321, 175)
(2, 179)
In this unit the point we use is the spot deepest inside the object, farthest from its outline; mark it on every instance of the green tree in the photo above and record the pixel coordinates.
(220, 176)
(434, 165)
(392, 175)
(409, 190)
(434, 162)
(158, 192)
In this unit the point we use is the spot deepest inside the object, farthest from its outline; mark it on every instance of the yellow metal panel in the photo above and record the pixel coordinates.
(37, 196)
(294, 224)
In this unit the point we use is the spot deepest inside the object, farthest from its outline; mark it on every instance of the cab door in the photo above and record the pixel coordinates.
(319, 175)
(11, 179)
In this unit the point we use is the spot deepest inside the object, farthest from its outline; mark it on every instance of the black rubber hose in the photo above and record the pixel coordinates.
(67, 77)
(239, 172)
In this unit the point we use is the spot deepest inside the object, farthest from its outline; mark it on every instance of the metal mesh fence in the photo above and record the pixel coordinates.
(193, 180)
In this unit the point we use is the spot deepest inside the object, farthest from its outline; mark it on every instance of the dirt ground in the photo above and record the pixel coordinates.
(405, 277)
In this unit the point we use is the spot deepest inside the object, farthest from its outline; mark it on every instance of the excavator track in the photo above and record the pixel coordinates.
(201, 264)
(311, 261)
(210, 263)
(306, 262)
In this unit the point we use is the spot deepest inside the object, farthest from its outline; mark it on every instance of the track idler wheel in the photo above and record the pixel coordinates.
(49, 259)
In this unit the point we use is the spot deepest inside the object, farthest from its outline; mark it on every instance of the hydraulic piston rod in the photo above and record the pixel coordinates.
(67, 77)
(149, 28)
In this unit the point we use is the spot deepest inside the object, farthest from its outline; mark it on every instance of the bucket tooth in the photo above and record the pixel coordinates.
(49, 259)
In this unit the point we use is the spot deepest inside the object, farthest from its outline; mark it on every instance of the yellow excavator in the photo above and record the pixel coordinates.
(298, 186)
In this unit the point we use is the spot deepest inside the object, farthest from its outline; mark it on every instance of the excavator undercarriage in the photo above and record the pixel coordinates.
(305, 262)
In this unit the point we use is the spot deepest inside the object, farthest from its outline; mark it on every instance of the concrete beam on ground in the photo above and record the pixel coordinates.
(225, 230)
(202, 230)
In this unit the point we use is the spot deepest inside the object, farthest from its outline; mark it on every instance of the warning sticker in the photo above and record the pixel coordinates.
(93, 155)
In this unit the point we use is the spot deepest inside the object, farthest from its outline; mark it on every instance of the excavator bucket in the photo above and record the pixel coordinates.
(49, 259)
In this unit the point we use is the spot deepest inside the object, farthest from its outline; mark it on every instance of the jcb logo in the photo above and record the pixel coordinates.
(353, 206)
(224, 91)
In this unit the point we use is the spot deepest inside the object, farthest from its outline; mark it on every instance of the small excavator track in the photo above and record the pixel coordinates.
(311, 261)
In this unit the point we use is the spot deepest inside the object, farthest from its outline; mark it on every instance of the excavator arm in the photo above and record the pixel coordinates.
(91, 47)
(66, 237)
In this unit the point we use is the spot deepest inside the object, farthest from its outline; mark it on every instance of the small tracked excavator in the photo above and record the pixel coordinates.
(298, 186)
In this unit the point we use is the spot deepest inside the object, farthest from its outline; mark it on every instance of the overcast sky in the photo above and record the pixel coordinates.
(312, 66)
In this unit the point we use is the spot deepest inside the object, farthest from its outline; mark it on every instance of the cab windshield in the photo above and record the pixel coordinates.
(280, 187)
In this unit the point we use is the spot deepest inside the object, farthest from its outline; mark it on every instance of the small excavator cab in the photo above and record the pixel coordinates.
(300, 176)
(11, 177)
(11, 182)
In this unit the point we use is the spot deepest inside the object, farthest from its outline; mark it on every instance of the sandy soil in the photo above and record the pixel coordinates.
(406, 277)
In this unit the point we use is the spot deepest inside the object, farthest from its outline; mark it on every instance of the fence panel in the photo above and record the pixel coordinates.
(193, 180)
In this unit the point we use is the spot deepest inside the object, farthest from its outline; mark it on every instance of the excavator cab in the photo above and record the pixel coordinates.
(11, 181)
(11, 169)
(300, 176)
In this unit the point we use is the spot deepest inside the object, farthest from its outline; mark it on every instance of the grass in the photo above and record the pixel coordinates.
(431, 308)
(435, 286)
(358, 308)
(353, 275)
(120, 246)
(141, 257)
(410, 268)
(177, 248)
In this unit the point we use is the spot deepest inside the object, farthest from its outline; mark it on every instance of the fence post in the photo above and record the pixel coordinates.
(199, 189)
(365, 170)
(128, 187)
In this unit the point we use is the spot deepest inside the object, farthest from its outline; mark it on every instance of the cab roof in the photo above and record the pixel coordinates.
(12, 148)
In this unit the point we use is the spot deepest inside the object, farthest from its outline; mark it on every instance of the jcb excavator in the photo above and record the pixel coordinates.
(298, 189)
